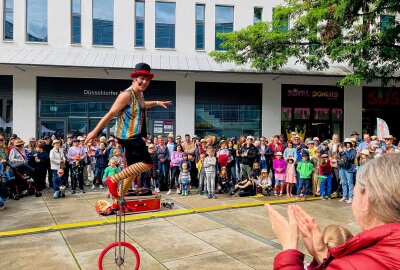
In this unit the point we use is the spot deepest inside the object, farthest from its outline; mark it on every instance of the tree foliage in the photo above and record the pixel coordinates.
(323, 32)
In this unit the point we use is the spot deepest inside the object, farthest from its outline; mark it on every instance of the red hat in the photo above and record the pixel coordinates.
(142, 69)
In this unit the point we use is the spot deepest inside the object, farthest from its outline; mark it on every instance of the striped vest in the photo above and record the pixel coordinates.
(131, 121)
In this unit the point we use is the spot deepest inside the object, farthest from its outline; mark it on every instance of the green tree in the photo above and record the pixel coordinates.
(365, 35)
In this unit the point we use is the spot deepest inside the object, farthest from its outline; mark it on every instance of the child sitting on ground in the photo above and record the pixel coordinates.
(264, 183)
(223, 181)
(256, 169)
(246, 187)
(59, 184)
(184, 179)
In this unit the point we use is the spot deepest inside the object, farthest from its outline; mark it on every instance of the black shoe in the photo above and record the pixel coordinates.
(83, 191)
(73, 191)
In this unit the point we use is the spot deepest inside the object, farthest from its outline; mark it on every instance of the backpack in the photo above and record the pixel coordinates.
(343, 161)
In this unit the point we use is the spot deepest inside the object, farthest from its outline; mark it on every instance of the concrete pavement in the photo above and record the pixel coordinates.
(236, 237)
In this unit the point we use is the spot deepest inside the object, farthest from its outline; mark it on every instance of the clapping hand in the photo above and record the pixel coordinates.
(286, 230)
(311, 234)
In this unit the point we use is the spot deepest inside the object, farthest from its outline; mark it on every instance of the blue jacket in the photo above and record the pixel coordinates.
(101, 158)
(351, 155)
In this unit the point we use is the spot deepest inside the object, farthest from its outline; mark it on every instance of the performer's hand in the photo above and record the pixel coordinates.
(165, 104)
(90, 136)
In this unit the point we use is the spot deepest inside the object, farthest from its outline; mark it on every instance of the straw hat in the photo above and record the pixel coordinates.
(222, 142)
(19, 142)
(365, 152)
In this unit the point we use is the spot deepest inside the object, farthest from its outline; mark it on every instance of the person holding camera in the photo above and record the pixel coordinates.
(101, 164)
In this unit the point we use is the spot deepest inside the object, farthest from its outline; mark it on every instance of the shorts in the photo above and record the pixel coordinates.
(135, 151)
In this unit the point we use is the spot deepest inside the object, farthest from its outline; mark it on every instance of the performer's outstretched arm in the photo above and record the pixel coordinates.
(164, 104)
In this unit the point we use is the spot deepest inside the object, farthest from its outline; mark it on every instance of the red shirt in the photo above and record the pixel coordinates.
(377, 248)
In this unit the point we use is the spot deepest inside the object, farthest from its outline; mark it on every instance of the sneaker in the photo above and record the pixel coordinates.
(112, 187)
(56, 194)
(157, 190)
(101, 186)
(73, 191)
(280, 194)
(275, 194)
(329, 198)
(323, 198)
(83, 191)
(169, 192)
(178, 191)
(349, 200)
(343, 199)
(93, 186)
(301, 195)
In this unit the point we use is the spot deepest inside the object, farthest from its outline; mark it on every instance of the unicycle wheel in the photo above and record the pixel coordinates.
(119, 255)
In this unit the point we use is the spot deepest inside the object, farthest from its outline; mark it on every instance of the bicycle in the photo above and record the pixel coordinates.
(119, 254)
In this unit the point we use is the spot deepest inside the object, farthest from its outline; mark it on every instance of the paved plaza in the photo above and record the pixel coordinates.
(198, 233)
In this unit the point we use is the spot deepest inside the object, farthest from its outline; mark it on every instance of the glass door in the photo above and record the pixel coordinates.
(57, 126)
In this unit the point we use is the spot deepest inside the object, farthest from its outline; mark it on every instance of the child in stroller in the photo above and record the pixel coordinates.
(23, 183)
(19, 181)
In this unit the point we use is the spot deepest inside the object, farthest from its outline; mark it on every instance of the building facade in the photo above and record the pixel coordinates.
(62, 63)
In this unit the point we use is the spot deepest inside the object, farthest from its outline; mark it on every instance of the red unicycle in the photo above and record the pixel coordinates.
(119, 254)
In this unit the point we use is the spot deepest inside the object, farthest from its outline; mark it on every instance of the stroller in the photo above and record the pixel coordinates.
(19, 180)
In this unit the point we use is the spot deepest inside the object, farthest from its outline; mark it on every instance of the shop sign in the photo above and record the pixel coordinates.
(313, 94)
(100, 93)
(158, 127)
(163, 127)
(391, 98)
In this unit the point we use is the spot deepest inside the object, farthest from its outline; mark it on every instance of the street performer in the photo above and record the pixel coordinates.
(130, 109)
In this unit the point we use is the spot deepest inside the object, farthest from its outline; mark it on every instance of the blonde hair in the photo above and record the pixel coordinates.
(382, 178)
(335, 235)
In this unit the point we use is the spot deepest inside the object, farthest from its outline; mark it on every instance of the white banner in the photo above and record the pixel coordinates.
(382, 128)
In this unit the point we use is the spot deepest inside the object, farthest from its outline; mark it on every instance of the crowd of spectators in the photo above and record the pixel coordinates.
(243, 166)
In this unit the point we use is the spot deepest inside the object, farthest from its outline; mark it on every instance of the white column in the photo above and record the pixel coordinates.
(185, 106)
(271, 108)
(24, 105)
(352, 110)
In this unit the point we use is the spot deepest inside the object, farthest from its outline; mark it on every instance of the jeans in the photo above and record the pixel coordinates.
(326, 186)
(303, 182)
(98, 175)
(174, 177)
(163, 171)
(232, 171)
(246, 169)
(347, 182)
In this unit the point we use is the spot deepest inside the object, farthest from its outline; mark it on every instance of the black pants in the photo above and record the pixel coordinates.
(174, 176)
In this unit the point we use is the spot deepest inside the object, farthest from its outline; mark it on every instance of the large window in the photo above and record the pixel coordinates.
(8, 20)
(6, 101)
(200, 26)
(222, 109)
(257, 15)
(139, 21)
(103, 22)
(280, 24)
(165, 25)
(223, 23)
(36, 20)
(75, 21)
(387, 21)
